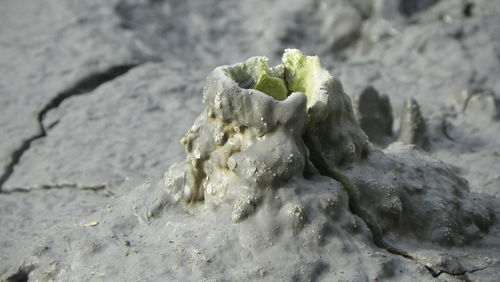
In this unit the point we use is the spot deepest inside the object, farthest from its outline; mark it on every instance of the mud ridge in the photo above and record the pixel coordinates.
(374, 228)
(365, 216)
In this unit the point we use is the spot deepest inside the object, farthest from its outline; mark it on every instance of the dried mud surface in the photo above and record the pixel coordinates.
(96, 95)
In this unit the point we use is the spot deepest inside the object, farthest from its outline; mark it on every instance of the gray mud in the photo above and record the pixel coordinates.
(390, 173)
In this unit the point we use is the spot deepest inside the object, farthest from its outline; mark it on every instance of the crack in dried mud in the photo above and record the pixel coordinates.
(436, 274)
(84, 86)
(102, 189)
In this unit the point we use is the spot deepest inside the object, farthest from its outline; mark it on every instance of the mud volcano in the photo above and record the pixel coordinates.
(280, 183)
(281, 147)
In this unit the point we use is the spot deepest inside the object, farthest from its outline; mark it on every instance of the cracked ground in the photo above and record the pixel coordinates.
(95, 95)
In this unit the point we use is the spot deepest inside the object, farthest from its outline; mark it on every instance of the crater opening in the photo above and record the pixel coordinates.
(297, 73)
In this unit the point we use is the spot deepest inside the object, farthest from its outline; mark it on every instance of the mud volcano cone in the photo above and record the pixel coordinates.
(280, 147)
